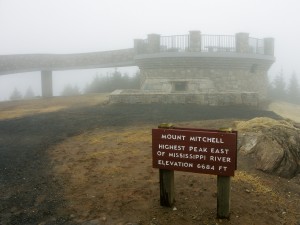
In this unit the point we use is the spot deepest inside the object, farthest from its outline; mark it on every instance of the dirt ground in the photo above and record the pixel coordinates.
(79, 160)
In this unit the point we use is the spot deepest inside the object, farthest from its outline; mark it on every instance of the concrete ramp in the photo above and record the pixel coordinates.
(10, 64)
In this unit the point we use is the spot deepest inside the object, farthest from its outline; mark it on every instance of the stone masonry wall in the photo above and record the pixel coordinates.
(206, 80)
(211, 99)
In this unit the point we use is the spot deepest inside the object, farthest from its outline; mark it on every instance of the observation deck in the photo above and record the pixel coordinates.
(200, 68)
(197, 45)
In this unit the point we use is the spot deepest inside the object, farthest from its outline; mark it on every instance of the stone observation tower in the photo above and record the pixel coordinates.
(200, 68)
(192, 68)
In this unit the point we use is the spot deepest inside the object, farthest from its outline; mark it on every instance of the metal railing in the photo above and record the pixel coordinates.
(256, 46)
(217, 43)
(178, 43)
(207, 43)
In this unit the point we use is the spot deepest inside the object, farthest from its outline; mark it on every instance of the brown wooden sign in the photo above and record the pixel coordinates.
(195, 150)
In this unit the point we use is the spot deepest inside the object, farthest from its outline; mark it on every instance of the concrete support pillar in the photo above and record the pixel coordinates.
(46, 78)
(269, 46)
(153, 43)
(242, 42)
(139, 46)
(195, 41)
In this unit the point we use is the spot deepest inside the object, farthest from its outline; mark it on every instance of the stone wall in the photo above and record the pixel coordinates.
(211, 99)
(211, 78)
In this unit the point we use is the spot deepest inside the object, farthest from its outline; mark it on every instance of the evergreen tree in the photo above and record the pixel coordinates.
(117, 81)
(29, 94)
(293, 92)
(98, 85)
(136, 81)
(16, 95)
(278, 92)
(69, 90)
(113, 82)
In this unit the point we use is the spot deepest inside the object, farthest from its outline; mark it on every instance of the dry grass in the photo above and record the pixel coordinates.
(15, 109)
(258, 185)
(286, 110)
(261, 122)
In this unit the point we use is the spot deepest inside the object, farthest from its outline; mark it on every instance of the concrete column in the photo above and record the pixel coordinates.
(139, 46)
(46, 78)
(153, 43)
(195, 41)
(242, 42)
(269, 46)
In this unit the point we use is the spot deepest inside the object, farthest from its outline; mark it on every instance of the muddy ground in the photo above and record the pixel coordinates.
(83, 161)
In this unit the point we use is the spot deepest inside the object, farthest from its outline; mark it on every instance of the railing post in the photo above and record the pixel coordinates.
(195, 41)
(269, 46)
(153, 43)
(242, 42)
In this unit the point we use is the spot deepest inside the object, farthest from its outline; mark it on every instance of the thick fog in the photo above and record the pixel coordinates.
(77, 26)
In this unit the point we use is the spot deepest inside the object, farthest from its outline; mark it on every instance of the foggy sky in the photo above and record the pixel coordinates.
(74, 26)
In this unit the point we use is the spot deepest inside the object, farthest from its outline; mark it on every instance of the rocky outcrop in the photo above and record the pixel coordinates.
(274, 145)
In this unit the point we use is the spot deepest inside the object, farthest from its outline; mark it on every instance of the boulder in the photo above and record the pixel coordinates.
(274, 145)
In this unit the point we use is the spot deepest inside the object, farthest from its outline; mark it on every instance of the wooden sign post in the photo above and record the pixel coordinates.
(195, 150)
(223, 197)
(166, 180)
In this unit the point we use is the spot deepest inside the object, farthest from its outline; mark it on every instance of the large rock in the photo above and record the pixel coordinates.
(274, 145)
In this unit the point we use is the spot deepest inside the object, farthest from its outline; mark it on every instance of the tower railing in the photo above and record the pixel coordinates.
(217, 43)
(205, 43)
(175, 43)
(256, 46)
